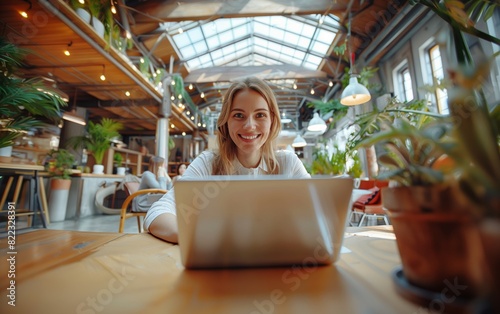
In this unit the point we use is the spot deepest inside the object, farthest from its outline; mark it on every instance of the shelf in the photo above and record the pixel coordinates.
(132, 159)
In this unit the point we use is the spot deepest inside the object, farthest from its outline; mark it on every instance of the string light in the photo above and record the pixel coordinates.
(66, 52)
(103, 77)
(25, 13)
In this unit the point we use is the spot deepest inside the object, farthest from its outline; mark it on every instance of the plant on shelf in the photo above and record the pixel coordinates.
(24, 103)
(98, 139)
(118, 159)
(448, 173)
(100, 10)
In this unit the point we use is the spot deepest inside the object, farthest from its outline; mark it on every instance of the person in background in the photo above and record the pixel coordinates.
(156, 177)
(248, 126)
(180, 171)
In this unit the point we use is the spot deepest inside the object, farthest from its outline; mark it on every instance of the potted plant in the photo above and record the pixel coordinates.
(448, 172)
(59, 167)
(81, 9)
(118, 160)
(101, 16)
(97, 140)
(24, 103)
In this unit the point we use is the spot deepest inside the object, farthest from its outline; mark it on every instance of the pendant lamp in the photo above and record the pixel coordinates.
(284, 118)
(299, 141)
(317, 124)
(355, 93)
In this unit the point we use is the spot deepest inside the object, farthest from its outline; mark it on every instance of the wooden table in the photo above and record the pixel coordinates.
(85, 272)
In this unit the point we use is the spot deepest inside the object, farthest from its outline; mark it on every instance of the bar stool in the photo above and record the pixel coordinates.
(26, 186)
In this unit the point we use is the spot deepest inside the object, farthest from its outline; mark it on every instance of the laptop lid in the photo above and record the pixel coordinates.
(240, 221)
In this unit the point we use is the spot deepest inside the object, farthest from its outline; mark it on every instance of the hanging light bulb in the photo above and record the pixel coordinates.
(317, 124)
(103, 77)
(284, 118)
(355, 93)
(299, 141)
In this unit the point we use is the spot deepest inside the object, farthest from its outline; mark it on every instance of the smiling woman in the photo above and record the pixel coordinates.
(248, 125)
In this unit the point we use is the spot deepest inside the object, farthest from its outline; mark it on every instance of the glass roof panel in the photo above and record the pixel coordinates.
(195, 34)
(270, 40)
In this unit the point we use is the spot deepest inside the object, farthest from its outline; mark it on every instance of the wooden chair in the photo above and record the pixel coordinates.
(132, 189)
(369, 205)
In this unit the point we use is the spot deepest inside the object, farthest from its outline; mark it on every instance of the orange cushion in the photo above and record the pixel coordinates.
(368, 199)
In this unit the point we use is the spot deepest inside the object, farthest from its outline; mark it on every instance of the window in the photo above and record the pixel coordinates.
(261, 40)
(436, 69)
(403, 83)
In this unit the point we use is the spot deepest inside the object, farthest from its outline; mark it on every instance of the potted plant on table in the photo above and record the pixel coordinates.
(59, 167)
(97, 140)
(448, 172)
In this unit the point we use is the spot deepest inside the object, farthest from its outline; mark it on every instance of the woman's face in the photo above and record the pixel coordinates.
(182, 169)
(249, 121)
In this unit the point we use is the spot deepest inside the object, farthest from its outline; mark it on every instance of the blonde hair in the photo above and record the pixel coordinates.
(227, 148)
(155, 163)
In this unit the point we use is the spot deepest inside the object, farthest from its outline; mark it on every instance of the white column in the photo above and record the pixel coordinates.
(162, 137)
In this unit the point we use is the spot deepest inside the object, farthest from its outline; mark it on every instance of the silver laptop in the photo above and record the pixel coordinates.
(240, 221)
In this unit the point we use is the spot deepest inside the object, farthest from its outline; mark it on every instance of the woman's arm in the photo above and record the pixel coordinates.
(161, 218)
(165, 227)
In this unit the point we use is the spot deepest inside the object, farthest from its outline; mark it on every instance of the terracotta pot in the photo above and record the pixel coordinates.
(490, 236)
(438, 246)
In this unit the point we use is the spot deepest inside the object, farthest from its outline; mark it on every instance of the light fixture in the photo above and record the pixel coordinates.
(285, 118)
(25, 13)
(354, 93)
(66, 52)
(71, 116)
(317, 124)
(113, 9)
(103, 77)
(299, 141)
(202, 95)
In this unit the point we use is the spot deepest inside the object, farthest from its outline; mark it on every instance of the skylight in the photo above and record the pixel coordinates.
(254, 41)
